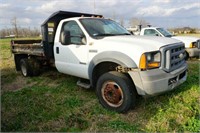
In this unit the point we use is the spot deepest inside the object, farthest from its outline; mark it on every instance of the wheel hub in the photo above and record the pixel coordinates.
(112, 94)
(23, 68)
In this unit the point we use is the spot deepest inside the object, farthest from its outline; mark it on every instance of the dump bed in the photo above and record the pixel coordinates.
(29, 47)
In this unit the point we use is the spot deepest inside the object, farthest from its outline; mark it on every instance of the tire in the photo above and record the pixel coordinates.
(34, 66)
(186, 56)
(29, 67)
(116, 92)
(25, 68)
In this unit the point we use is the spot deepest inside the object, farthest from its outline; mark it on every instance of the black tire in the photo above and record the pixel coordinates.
(29, 67)
(25, 68)
(116, 92)
(34, 66)
(186, 56)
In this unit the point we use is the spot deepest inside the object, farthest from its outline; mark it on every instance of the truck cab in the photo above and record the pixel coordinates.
(192, 44)
(106, 57)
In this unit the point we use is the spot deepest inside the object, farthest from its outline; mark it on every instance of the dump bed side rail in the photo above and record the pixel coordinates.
(29, 47)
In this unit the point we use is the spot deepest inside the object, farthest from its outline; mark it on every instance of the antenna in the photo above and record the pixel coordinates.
(94, 7)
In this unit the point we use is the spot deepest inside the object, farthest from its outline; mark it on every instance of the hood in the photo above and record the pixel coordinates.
(186, 39)
(132, 46)
(144, 43)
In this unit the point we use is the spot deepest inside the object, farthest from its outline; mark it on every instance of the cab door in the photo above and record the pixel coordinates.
(71, 51)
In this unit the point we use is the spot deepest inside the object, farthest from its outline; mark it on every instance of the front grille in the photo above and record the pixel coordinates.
(173, 56)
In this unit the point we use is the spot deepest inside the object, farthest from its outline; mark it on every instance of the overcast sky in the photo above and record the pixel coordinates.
(164, 13)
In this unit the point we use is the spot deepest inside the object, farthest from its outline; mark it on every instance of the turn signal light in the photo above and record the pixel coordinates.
(153, 64)
(143, 62)
(192, 45)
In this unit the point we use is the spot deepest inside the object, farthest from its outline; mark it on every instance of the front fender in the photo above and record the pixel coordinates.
(111, 56)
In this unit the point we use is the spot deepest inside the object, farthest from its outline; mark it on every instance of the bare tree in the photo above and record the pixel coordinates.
(22, 32)
(122, 21)
(114, 16)
(3, 33)
(15, 25)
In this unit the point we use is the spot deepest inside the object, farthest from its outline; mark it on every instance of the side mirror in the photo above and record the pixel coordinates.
(157, 34)
(65, 37)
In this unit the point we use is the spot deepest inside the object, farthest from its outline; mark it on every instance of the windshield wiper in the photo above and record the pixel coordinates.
(103, 34)
(168, 35)
(123, 34)
(111, 34)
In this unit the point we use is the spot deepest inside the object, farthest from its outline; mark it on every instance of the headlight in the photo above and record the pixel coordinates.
(150, 60)
(193, 44)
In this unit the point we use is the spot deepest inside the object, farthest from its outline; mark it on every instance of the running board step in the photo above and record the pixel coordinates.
(83, 83)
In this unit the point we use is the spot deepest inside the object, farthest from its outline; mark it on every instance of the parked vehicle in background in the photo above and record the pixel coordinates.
(192, 44)
(105, 56)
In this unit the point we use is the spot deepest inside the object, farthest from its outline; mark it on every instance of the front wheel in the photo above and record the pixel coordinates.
(186, 55)
(116, 92)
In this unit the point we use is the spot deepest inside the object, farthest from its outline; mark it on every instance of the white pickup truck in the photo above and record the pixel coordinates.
(105, 56)
(192, 44)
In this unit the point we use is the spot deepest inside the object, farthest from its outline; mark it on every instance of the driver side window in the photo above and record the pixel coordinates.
(74, 32)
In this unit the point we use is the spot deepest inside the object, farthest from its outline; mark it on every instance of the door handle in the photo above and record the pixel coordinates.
(57, 50)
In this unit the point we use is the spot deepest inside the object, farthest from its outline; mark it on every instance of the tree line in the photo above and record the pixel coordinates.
(17, 31)
(21, 32)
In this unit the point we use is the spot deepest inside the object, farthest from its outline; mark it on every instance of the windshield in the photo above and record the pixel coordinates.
(103, 27)
(164, 32)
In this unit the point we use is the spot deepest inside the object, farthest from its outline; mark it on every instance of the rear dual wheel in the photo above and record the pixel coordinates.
(25, 68)
(29, 67)
(116, 92)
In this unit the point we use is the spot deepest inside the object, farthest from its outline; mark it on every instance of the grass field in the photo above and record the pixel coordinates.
(53, 102)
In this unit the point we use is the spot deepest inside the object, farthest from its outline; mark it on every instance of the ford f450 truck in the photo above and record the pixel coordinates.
(104, 56)
(192, 44)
